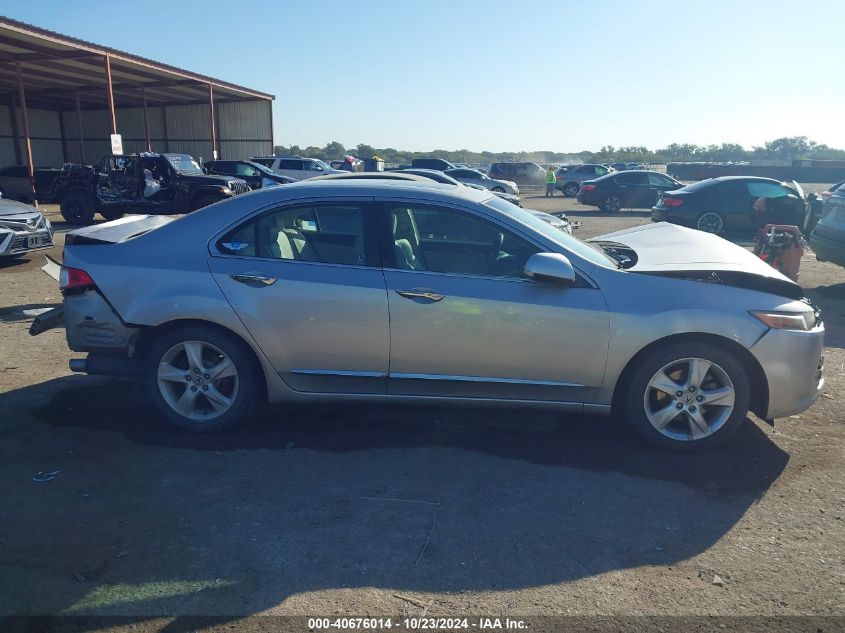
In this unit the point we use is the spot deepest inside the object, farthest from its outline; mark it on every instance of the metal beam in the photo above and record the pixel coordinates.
(27, 141)
(146, 120)
(214, 152)
(79, 128)
(110, 96)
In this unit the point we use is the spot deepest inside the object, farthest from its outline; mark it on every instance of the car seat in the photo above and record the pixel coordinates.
(406, 240)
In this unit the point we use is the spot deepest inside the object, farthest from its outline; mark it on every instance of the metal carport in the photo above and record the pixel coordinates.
(61, 98)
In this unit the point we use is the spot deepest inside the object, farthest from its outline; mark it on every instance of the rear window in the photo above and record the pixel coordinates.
(267, 162)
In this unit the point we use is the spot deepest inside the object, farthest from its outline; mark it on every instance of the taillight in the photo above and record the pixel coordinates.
(73, 280)
(672, 202)
(587, 187)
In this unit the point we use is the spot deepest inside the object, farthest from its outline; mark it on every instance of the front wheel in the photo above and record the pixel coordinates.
(201, 379)
(711, 222)
(111, 214)
(77, 208)
(204, 201)
(688, 396)
(570, 190)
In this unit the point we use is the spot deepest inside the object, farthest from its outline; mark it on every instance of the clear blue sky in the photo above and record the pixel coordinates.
(500, 75)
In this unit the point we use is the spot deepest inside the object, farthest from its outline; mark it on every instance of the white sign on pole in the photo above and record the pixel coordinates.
(116, 144)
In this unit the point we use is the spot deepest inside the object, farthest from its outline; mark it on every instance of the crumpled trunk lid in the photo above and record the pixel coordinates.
(116, 231)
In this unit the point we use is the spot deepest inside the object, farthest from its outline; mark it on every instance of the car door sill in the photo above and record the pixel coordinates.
(509, 381)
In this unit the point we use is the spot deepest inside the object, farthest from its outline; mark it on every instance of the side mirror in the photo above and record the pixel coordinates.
(550, 267)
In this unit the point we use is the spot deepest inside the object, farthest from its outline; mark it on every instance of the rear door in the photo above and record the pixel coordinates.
(634, 189)
(306, 281)
(466, 322)
(658, 184)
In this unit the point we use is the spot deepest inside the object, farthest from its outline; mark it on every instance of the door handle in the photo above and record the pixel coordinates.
(246, 278)
(420, 293)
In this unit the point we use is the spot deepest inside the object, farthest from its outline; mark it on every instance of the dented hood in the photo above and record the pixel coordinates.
(669, 247)
(676, 251)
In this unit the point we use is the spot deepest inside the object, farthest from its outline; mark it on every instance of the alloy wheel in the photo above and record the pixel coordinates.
(571, 190)
(711, 223)
(689, 399)
(612, 204)
(197, 380)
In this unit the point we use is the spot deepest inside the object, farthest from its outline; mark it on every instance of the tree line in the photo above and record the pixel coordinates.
(781, 150)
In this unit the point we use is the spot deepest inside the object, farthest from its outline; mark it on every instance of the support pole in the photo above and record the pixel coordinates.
(27, 140)
(272, 139)
(146, 120)
(79, 129)
(110, 94)
(211, 117)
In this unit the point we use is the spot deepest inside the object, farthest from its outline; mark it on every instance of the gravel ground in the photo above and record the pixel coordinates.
(334, 510)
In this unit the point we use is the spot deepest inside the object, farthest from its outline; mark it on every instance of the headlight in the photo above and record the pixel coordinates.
(805, 320)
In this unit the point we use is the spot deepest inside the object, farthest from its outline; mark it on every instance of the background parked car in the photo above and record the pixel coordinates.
(14, 183)
(828, 238)
(520, 173)
(256, 175)
(570, 177)
(626, 189)
(295, 167)
(22, 229)
(474, 177)
(728, 203)
(441, 177)
(432, 163)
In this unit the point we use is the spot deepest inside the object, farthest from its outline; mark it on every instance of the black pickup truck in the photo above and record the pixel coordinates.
(146, 183)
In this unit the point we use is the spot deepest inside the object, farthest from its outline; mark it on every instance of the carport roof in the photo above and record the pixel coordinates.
(56, 68)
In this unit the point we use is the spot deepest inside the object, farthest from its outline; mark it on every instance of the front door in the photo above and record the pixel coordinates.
(306, 282)
(465, 322)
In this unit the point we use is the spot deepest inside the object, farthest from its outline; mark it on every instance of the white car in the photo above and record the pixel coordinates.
(22, 229)
(475, 177)
(296, 167)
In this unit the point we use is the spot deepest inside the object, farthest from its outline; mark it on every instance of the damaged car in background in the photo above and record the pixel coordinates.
(139, 183)
(22, 229)
(393, 290)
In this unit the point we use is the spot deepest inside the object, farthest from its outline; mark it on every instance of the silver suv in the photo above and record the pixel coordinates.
(296, 166)
(570, 177)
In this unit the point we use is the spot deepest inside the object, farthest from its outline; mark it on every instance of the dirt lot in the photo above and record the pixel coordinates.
(384, 510)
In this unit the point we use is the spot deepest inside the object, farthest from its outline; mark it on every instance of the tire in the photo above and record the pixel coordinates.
(688, 424)
(498, 189)
(204, 201)
(612, 204)
(711, 222)
(112, 214)
(77, 208)
(235, 393)
(571, 189)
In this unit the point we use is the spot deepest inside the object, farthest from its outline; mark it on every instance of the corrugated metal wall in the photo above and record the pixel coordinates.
(243, 130)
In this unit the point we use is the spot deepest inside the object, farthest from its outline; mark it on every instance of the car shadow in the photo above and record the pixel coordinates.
(24, 312)
(145, 520)
(831, 300)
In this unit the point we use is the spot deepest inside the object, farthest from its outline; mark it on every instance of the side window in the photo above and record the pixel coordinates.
(631, 179)
(448, 241)
(659, 180)
(601, 171)
(290, 164)
(327, 233)
(767, 190)
(244, 170)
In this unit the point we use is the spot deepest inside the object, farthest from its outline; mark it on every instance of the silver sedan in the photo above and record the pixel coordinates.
(22, 229)
(419, 292)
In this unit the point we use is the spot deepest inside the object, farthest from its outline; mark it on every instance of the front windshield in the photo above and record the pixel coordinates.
(184, 164)
(263, 169)
(592, 254)
(323, 165)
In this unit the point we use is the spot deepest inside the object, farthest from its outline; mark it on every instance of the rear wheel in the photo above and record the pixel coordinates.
(688, 396)
(612, 203)
(77, 208)
(111, 214)
(201, 379)
(711, 222)
(571, 189)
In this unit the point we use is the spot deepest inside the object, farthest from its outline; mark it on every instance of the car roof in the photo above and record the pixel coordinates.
(372, 175)
(423, 188)
(753, 178)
